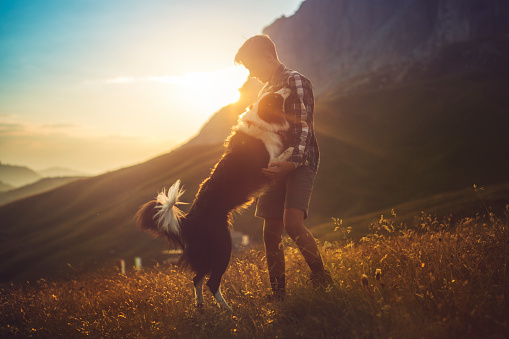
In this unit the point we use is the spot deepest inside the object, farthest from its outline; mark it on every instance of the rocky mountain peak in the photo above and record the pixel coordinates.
(333, 41)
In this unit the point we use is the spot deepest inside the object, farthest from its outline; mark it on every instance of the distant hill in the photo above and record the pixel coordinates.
(5, 187)
(413, 134)
(90, 221)
(17, 176)
(40, 186)
(53, 172)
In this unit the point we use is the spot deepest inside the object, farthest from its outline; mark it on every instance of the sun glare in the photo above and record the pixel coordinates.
(208, 91)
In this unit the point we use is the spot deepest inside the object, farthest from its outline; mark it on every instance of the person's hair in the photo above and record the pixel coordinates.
(255, 47)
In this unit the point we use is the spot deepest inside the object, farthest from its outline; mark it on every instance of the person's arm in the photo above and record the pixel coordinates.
(302, 113)
(302, 116)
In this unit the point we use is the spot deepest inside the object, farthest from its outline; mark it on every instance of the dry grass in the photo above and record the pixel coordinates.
(442, 278)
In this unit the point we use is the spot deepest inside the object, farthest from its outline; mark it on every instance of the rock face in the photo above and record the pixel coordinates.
(333, 41)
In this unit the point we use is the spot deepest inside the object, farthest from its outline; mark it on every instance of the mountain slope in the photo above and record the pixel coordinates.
(91, 220)
(392, 134)
(40, 186)
(431, 133)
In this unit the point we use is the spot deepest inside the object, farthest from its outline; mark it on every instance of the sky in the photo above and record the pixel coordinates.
(96, 85)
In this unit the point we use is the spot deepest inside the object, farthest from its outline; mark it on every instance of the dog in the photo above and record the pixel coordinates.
(203, 233)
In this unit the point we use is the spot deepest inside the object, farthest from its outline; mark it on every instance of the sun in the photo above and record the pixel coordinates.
(207, 92)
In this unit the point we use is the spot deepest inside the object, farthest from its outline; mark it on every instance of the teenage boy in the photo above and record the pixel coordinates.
(284, 206)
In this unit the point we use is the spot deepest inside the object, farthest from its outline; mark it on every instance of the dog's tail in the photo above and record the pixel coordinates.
(162, 217)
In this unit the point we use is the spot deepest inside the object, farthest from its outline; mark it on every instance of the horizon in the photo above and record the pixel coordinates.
(98, 86)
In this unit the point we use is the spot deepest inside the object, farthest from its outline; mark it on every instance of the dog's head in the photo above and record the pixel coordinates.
(268, 112)
(271, 108)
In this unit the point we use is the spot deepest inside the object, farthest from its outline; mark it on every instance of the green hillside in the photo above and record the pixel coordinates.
(45, 184)
(441, 130)
(90, 221)
(416, 144)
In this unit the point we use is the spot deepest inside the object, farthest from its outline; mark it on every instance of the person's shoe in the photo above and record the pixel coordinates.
(278, 287)
(320, 280)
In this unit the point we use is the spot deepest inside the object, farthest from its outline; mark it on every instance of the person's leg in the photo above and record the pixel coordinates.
(299, 188)
(295, 228)
(270, 207)
(274, 253)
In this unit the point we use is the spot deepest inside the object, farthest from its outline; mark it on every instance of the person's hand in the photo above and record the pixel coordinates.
(278, 170)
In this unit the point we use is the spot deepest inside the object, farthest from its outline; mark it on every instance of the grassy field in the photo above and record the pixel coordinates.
(441, 278)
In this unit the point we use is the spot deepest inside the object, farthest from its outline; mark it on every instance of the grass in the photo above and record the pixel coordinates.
(441, 278)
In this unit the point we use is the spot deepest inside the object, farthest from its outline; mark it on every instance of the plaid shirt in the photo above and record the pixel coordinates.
(300, 104)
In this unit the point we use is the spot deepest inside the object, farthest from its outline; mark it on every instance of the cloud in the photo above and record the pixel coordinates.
(59, 126)
(120, 80)
(16, 128)
(10, 128)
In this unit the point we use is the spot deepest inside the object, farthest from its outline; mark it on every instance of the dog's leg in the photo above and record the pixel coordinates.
(285, 155)
(220, 266)
(219, 298)
(214, 285)
(221, 249)
(198, 290)
(216, 291)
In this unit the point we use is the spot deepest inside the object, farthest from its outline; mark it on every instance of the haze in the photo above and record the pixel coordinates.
(97, 85)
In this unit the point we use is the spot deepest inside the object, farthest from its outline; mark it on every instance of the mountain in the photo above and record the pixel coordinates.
(404, 120)
(436, 130)
(334, 41)
(17, 176)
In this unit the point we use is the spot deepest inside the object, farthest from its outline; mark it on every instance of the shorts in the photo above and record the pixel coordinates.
(294, 191)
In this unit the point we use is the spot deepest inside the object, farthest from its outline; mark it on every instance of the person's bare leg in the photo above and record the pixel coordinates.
(295, 228)
(274, 252)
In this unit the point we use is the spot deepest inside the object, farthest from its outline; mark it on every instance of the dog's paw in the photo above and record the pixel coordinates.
(285, 155)
(284, 92)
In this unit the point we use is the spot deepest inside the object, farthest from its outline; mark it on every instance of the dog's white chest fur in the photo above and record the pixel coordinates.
(270, 134)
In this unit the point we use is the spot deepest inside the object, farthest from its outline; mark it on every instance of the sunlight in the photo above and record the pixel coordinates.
(208, 91)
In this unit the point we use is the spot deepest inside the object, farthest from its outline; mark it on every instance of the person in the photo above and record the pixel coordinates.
(284, 206)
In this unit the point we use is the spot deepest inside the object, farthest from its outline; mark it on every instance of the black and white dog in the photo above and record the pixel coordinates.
(203, 233)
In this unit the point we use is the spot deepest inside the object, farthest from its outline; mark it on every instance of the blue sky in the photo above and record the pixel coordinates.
(100, 84)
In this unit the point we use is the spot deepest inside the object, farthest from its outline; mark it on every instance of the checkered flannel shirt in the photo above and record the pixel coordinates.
(300, 104)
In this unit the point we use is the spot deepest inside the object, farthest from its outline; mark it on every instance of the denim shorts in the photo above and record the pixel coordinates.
(293, 191)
